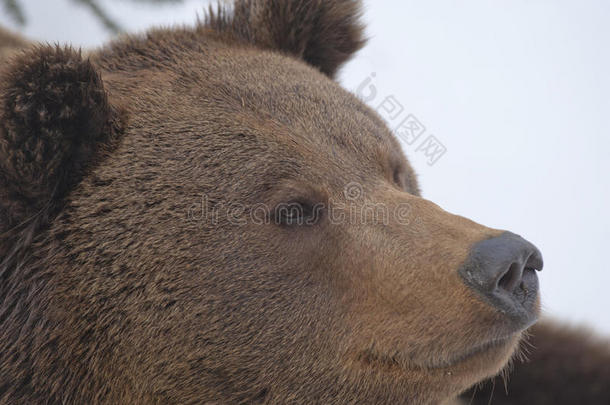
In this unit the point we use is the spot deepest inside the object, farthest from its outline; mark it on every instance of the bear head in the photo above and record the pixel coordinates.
(203, 215)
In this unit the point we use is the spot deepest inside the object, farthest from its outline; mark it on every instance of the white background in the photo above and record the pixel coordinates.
(517, 91)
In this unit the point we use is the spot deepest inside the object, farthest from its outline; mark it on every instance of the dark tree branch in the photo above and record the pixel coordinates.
(101, 15)
(13, 9)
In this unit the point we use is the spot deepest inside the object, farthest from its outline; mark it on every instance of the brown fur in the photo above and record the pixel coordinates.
(114, 292)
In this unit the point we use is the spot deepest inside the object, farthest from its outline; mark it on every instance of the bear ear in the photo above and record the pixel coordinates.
(54, 114)
(324, 33)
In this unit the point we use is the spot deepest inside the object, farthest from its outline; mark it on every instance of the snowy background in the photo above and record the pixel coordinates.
(517, 92)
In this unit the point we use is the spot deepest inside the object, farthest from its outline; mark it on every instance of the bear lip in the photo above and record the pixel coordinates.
(392, 362)
(479, 349)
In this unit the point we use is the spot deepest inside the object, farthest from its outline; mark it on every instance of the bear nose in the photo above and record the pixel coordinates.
(502, 270)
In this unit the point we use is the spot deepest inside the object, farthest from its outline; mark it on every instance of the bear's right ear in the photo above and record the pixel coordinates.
(323, 33)
(54, 116)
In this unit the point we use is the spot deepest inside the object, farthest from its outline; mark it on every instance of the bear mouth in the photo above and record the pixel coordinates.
(500, 347)
(481, 349)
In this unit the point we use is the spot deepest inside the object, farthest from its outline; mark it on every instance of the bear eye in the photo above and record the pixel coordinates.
(297, 213)
(398, 178)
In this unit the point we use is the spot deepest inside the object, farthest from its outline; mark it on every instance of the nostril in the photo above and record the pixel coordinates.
(511, 279)
(535, 261)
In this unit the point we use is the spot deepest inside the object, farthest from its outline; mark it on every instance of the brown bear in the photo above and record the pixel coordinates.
(202, 215)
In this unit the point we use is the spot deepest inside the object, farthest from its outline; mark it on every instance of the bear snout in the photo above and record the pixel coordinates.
(502, 271)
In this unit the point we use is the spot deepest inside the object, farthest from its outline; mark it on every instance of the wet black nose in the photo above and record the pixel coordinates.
(502, 270)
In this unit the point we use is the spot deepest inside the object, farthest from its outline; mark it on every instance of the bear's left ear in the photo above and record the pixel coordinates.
(54, 116)
(324, 33)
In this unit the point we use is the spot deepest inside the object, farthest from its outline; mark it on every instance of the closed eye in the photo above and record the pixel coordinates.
(398, 178)
(402, 180)
(297, 213)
